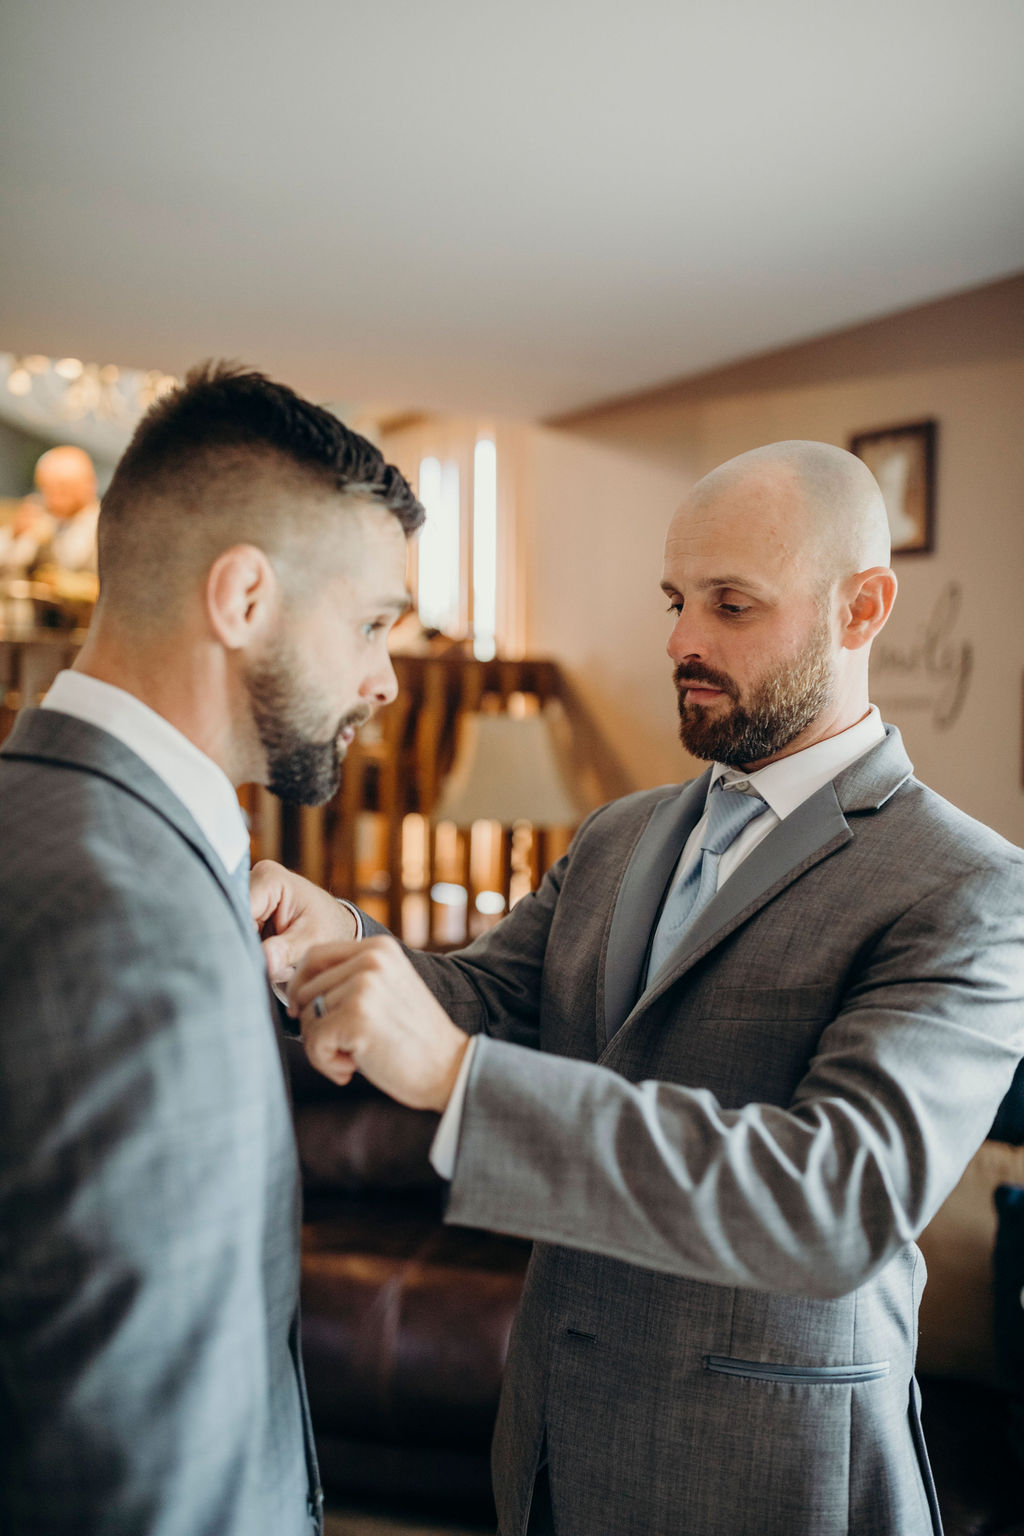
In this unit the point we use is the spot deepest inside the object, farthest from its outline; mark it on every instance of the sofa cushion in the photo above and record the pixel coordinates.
(355, 1140)
(406, 1322)
(957, 1326)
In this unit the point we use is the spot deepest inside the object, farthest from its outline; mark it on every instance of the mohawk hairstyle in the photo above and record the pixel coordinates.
(223, 408)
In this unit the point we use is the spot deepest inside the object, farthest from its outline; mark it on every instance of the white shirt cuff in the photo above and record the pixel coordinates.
(355, 913)
(445, 1144)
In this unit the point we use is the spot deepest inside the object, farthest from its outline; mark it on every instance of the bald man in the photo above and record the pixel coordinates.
(725, 1063)
(66, 480)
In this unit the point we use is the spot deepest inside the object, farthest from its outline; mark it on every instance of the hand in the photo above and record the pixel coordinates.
(378, 1018)
(292, 914)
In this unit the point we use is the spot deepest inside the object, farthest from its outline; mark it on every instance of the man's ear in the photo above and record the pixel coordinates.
(242, 596)
(871, 595)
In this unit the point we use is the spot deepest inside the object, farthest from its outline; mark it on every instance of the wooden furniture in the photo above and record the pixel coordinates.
(374, 842)
(30, 659)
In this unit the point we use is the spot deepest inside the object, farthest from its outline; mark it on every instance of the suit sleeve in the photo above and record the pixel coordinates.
(807, 1198)
(131, 1233)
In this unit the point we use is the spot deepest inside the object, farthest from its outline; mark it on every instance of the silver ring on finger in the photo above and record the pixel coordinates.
(319, 1006)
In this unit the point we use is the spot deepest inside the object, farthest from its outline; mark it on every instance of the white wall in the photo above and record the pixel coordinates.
(593, 525)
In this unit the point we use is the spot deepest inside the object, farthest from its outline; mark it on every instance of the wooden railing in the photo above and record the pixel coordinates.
(375, 842)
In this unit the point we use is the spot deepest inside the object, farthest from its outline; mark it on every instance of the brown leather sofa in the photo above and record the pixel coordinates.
(406, 1322)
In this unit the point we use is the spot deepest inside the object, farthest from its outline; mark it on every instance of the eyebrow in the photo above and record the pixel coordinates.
(399, 604)
(711, 583)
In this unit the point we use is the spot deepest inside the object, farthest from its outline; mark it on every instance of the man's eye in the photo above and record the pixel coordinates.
(676, 607)
(733, 609)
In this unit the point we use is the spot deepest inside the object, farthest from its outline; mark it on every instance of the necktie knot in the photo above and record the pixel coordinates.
(729, 811)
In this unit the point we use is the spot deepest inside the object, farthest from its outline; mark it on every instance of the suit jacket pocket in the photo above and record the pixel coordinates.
(796, 1375)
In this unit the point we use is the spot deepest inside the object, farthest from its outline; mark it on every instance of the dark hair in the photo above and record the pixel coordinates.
(225, 411)
(232, 457)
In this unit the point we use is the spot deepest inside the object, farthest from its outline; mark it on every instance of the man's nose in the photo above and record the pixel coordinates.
(686, 639)
(382, 685)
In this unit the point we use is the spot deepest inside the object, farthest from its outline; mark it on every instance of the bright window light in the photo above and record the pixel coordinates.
(485, 548)
(439, 564)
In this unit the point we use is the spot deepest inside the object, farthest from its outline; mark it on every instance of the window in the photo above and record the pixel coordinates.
(463, 570)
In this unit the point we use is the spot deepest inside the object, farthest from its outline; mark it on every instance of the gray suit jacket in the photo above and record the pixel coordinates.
(726, 1175)
(150, 1383)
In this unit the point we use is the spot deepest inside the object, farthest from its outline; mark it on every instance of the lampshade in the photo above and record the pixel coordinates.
(507, 770)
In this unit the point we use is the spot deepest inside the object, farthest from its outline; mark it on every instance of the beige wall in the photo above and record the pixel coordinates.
(601, 488)
(593, 522)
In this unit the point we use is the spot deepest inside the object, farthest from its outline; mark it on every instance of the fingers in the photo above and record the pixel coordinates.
(321, 998)
(277, 955)
(266, 889)
(363, 1006)
(337, 1066)
(331, 1026)
(331, 1061)
(292, 914)
(330, 992)
(346, 957)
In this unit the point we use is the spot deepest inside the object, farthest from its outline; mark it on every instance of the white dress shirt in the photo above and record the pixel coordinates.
(784, 785)
(203, 788)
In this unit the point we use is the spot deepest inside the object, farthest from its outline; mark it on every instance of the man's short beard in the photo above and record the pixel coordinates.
(779, 707)
(301, 768)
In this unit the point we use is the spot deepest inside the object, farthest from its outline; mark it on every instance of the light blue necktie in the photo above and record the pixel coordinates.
(729, 811)
(240, 879)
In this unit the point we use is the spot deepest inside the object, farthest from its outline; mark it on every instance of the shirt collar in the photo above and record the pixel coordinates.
(789, 781)
(203, 788)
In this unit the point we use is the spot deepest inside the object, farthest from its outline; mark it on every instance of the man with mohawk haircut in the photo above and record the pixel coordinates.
(252, 561)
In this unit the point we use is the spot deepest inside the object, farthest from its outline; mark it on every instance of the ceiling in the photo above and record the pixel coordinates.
(502, 208)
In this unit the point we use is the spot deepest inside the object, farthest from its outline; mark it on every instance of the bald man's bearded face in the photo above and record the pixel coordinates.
(761, 721)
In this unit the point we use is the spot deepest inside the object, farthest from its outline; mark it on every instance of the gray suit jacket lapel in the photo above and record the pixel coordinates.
(814, 831)
(46, 735)
(643, 886)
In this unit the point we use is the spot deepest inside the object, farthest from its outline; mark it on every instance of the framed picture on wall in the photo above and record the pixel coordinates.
(902, 460)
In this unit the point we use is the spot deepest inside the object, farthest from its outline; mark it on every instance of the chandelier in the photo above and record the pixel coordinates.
(48, 396)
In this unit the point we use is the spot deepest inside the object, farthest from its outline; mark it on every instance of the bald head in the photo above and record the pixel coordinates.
(776, 568)
(821, 503)
(66, 480)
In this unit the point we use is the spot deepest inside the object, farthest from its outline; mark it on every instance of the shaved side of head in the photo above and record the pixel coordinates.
(830, 501)
(232, 458)
(156, 553)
